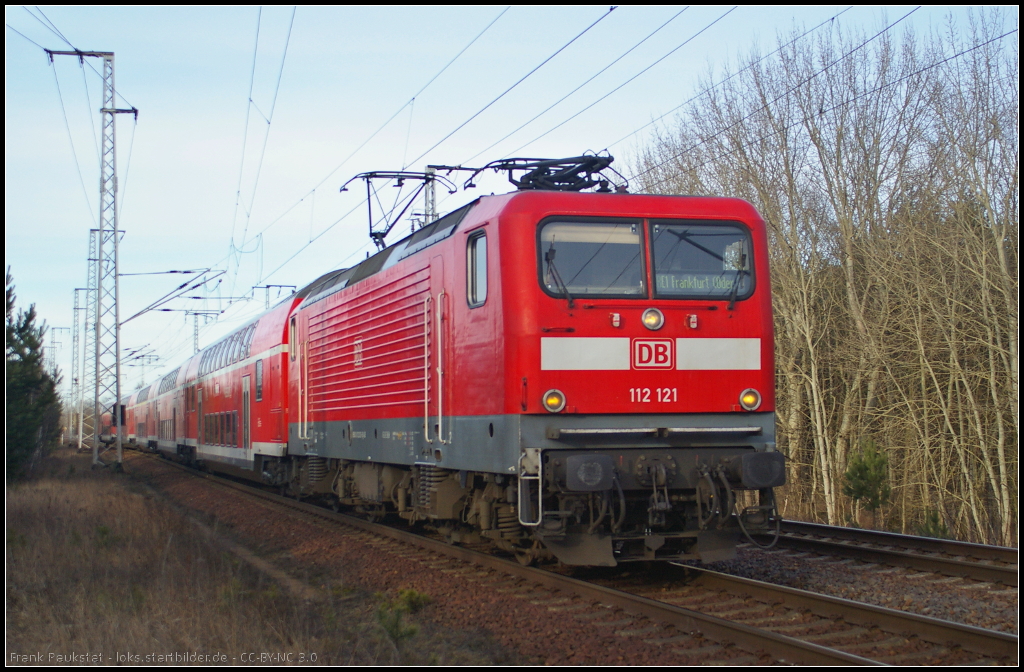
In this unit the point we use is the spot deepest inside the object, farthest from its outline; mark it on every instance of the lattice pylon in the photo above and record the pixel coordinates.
(107, 327)
(88, 382)
(108, 346)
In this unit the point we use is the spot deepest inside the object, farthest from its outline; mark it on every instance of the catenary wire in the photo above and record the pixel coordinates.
(263, 152)
(273, 106)
(297, 252)
(88, 107)
(23, 35)
(857, 97)
(684, 43)
(127, 170)
(245, 130)
(521, 80)
(592, 78)
(347, 214)
(382, 126)
(56, 30)
(779, 97)
(717, 84)
(74, 153)
(49, 28)
(60, 35)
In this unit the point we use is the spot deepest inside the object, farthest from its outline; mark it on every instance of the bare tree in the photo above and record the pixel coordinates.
(887, 169)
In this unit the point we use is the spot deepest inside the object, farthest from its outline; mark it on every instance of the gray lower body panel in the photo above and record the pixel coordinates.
(494, 443)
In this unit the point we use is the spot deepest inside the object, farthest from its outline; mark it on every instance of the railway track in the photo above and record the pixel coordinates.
(993, 564)
(879, 634)
(705, 616)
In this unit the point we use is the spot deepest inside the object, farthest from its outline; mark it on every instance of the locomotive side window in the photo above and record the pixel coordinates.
(591, 258)
(701, 260)
(476, 269)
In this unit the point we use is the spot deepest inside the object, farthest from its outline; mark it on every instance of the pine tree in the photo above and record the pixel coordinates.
(33, 407)
(867, 479)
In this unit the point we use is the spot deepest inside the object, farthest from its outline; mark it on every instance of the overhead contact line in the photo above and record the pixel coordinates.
(382, 126)
(521, 80)
(71, 140)
(831, 19)
(592, 78)
(245, 130)
(684, 43)
(270, 119)
(779, 97)
(823, 110)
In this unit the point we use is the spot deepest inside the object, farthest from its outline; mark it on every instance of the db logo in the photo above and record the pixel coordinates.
(653, 354)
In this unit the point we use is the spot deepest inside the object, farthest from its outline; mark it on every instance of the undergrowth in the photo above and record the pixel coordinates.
(97, 564)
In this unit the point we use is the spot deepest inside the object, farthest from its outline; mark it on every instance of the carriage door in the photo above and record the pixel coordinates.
(245, 412)
(200, 425)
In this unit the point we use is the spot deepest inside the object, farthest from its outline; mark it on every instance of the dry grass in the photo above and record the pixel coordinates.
(97, 565)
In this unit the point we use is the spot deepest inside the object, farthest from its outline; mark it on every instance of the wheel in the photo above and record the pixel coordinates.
(526, 558)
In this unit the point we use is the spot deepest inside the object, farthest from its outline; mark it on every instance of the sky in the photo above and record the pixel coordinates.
(250, 120)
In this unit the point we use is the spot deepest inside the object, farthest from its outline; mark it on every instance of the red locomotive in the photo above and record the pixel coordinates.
(587, 376)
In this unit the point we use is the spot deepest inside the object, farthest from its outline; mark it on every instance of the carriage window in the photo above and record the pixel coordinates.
(476, 269)
(248, 340)
(701, 260)
(591, 259)
(291, 339)
(259, 380)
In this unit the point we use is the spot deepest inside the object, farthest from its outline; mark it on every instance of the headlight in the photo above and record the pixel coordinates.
(653, 319)
(554, 400)
(750, 399)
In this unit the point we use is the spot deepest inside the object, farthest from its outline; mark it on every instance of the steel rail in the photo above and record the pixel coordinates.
(947, 633)
(928, 544)
(852, 547)
(783, 648)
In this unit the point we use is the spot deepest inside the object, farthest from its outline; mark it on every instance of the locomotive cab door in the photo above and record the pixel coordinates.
(298, 357)
(437, 401)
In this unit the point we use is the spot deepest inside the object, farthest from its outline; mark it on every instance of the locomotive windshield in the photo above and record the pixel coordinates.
(701, 260)
(592, 258)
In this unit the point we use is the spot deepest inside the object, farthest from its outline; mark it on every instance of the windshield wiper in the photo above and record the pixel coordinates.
(549, 259)
(739, 279)
(685, 237)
